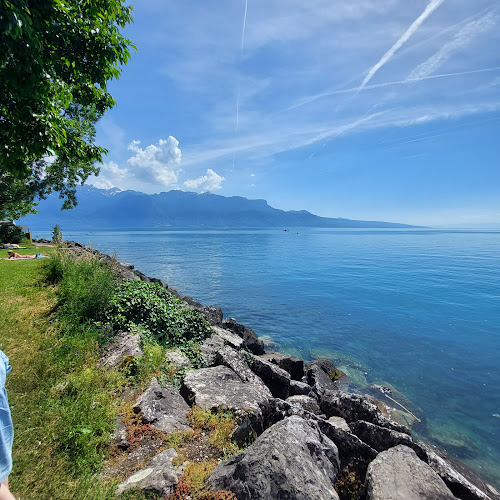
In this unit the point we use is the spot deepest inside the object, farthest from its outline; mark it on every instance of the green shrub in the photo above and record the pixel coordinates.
(86, 285)
(10, 234)
(157, 310)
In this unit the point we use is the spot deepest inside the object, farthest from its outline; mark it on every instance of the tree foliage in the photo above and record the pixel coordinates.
(56, 59)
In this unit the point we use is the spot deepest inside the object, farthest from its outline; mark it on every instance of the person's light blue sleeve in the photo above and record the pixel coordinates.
(6, 427)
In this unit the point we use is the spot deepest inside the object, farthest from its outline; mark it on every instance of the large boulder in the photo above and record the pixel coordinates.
(319, 380)
(230, 338)
(298, 388)
(277, 379)
(159, 477)
(233, 359)
(328, 367)
(459, 485)
(210, 348)
(164, 409)
(293, 365)
(354, 407)
(250, 338)
(220, 387)
(398, 474)
(291, 460)
(309, 404)
(382, 438)
(125, 349)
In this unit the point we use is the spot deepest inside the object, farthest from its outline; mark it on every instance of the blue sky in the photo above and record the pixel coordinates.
(366, 109)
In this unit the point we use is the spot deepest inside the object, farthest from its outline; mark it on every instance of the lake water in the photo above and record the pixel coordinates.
(418, 310)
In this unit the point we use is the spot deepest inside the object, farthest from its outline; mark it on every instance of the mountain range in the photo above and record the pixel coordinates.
(116, 209)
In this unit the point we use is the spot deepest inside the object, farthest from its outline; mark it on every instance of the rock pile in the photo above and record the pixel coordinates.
(303, 437)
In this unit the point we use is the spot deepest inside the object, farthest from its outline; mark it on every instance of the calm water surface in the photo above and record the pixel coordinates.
(417, 310)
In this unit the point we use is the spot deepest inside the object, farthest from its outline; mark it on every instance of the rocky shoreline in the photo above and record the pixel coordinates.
(303, 436)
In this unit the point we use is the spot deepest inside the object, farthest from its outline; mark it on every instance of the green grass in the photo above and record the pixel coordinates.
(63, 408)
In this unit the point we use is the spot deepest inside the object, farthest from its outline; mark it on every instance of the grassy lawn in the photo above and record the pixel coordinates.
(60, 403)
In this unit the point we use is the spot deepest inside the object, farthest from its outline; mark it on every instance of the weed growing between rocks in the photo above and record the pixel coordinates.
(350, 483)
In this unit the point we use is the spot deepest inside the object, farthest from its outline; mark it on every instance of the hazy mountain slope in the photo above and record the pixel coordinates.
(113, 209)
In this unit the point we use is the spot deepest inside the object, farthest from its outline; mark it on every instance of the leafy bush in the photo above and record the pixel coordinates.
(154, 308)
(10, 234)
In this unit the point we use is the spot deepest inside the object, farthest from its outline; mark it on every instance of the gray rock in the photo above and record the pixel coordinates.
(210, 349)
(164, 409)
(230, 338)
(293, 365)
(290, 460)
(327, 367)
(319, 381)
(178, 358)
(398, 474)
(309, 404)
(120, 439)
(277, 379)
(381, 438)
(299, 388)
(213, 314)
(126, 345)
(460, 486)
(348, 444)
(221, 387)
(354, 407)
(159, 477)
(339, 423)
(234, 360)
(249, 337)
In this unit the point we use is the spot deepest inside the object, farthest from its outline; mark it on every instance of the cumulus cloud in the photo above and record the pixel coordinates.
(157, 163)
(209, 182)
(103, 184)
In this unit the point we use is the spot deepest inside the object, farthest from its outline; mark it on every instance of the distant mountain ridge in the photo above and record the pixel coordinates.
(115, 209)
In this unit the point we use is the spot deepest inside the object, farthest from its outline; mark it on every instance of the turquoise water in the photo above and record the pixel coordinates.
(417, 310)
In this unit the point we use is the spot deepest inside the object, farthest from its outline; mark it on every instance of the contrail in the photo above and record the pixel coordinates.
(463, 38)
(433, 5)
(243, 30)
(313, 98)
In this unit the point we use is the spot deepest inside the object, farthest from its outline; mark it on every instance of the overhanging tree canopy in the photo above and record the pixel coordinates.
(56, 58)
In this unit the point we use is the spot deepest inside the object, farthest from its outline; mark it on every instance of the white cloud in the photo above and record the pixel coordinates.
(102, 184)
(157, 163)
(463, 38)
(209, 182)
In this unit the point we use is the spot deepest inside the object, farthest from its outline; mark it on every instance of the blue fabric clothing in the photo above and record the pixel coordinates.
(6, 427)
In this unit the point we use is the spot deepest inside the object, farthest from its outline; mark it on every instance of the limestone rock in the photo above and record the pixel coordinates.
(460, 486)
(277, 379)
(178, 358)
(249, 337)
(339, 423)
(305, 402)
(210, 349)
(230, 338)
(164, 409)
(290, 460)
(234, 360)
(299, 388)
(293, 365)
(398, 474)
(354, 407)
(327, 367)
(127, 344)
(381, 438)
(159, 477)
(319, 380)
(221, 387)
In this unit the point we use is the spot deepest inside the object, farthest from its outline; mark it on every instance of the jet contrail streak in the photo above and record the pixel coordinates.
(243, 30)
(433, 5)
(310, 99)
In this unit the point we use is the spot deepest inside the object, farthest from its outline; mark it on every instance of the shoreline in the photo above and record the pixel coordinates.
(214, 315)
